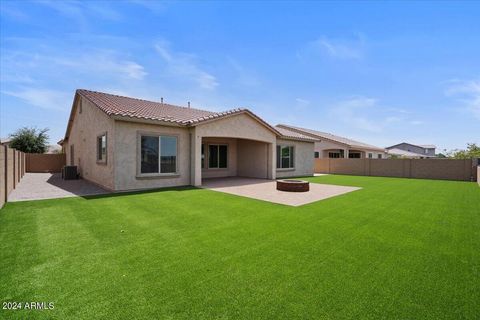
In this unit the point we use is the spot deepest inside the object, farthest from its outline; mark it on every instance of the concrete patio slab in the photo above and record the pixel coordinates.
(36, 186)
(266, 190)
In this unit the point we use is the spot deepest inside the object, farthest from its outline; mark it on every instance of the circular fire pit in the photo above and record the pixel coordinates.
(293, 185)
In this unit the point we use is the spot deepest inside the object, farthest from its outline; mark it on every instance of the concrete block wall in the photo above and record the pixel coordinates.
(442, 169)
(12, 169)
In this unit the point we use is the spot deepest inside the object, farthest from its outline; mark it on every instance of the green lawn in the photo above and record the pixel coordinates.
(396, 249)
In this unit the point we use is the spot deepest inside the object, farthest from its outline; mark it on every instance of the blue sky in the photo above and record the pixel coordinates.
(378, 72)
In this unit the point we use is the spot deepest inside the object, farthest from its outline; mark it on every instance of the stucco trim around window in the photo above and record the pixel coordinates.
(139, 174)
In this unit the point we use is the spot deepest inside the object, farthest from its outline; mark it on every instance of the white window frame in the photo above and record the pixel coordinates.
(158, 174)
(207, 164)
(291, 158)
(102, 160)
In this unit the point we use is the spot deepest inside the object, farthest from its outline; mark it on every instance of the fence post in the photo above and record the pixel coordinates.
(13, 171)
(19, 166)
(6, 172)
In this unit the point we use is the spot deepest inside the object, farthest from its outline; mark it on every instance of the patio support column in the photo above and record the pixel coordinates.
(345, 153)
(195, 158)
(271, 161)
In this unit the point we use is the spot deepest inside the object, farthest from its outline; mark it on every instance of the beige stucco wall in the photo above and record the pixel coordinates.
(240, 126)
(87, 125)
(303, 161)
(231, 169)
(253, 159)
(126, 160)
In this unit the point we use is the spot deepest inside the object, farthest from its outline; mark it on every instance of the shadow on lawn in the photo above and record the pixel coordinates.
(129, 193)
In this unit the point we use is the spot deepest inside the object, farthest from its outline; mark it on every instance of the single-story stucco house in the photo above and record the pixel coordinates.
(328, 145)
(123, 143)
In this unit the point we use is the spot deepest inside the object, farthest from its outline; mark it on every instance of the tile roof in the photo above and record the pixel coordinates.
(115, 105)
(120, 106)
(424, 146)
(289, 134)
(324, 135)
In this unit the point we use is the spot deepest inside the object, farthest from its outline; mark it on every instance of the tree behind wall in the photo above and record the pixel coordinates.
(30, 140)
(473, 151)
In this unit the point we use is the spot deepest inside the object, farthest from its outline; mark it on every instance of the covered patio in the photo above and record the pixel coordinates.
(241, 145)
(263, 189)
(235, 157)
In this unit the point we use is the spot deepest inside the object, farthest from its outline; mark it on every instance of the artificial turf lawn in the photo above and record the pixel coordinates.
(396, 249)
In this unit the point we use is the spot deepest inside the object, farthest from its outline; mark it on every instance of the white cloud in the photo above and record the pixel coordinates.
(468, 92)
(353, 112)
(342, 49)
(80, 11)
(43, 98)
(104, 61)
(302, 101)
(368, 114)
(99, 62)
(184, 66)
(416, 122)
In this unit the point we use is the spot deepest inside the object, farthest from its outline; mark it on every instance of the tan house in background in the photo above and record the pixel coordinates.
(328, 145)
(124, 143)
(412, 151)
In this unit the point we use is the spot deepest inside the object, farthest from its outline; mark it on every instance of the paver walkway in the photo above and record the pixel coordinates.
(36, 186)
(266, 190)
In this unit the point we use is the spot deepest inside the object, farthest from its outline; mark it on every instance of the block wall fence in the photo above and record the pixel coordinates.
(12, 170)
(441, 169)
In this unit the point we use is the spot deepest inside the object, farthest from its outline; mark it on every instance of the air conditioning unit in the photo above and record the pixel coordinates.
(69, 172)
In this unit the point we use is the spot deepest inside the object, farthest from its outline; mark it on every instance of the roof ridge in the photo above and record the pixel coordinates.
(312, 132)
(336, 135)
(145, 100)
(215, 114)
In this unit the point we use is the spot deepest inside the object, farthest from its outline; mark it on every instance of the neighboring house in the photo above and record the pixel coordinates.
(414, 151)
(54, 149)
(5, 142)
(124, 143)
(328, 145)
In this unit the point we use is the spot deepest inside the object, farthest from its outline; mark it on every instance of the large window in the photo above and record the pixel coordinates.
(285, 156)
(217, 156)
(102, 148)
(334, 155)
(316, 154)
(354, 155)
(158, 154)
